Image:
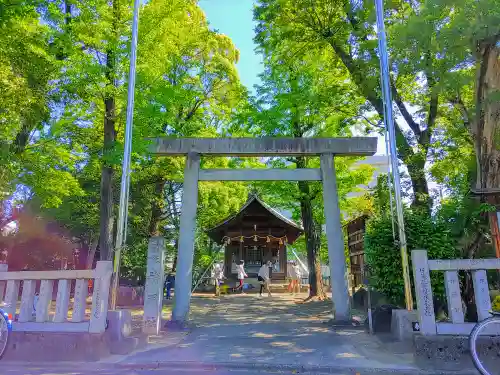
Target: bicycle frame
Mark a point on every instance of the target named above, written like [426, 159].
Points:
[8, 319]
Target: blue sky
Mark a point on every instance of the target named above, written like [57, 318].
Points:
[234, 18]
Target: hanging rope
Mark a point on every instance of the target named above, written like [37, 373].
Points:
[282, 240]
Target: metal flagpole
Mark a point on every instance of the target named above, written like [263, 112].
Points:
[125, 181]
[389, 124]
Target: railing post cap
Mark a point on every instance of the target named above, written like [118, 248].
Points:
[104, 265]
[421, 252]
[157, 239]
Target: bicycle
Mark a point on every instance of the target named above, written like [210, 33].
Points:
[5, 329]
[493, 319]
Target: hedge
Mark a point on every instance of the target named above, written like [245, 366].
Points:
[384, 258]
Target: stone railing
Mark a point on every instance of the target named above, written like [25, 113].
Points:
[421, 274]
[34, 314]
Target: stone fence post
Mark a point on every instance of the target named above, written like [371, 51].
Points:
[102, 284]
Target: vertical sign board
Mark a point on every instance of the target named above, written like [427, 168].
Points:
[153, 294]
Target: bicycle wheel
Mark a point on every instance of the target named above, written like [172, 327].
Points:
[5, 327]
[478, 328]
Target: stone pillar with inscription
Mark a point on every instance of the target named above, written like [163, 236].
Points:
[153, 293]
[102, 283]
[423, 291]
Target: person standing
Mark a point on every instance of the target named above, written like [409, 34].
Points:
[264, 278]
[297, 277]
[169, 284]
[240, 269]
[219, 277]
[293, 276]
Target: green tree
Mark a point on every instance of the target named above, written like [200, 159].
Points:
[347, 33]
[30, 153]
[305, 98]
[186, 80]
[463, 37]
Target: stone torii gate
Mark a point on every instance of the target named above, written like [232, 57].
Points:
[325, 148]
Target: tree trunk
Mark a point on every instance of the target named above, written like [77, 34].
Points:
[486, 131]
[106, 214]
[91, 255]
[486, 128]
[106, 207]
[416, 170]
[156, 209]
[312, 236]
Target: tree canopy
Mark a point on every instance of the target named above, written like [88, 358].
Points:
[63, 87]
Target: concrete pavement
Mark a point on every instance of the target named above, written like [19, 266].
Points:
[277, 333]
[243, 333]
[159, 371]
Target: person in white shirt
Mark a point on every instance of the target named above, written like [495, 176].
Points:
[297, 277]
[292, 276]
[264, 279]
[219, 277]
[240, 269]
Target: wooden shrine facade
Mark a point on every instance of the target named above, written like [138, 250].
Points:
[256, 234]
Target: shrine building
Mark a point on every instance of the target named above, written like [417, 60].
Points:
[256, 234]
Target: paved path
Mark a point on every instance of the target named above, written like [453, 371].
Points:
[160, 371]
[278, 331]
[245, 335]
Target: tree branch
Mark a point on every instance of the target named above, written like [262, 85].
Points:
[460, 106]
[404, 148]
[193, 110]
[425, 136]
[415, 128]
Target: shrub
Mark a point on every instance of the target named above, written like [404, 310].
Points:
[384, 258]
[496, 304]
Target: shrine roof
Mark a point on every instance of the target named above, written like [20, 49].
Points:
[252, 205]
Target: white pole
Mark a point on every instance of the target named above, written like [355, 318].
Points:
[389, 182]
[389, 124]
[125, 181]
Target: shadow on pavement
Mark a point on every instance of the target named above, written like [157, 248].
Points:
[277, 331]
